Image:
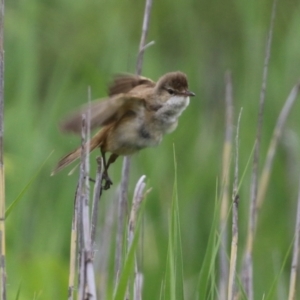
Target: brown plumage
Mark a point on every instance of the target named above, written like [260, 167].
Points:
[136, 115]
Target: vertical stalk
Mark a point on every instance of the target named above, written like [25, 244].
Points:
[235, 227]
[227, 152]
[2, 182]
[247, 263]
[123, 199]
[295, 259]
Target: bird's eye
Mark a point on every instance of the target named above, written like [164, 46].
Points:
[171, 91]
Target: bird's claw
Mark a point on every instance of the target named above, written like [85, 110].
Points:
[108, 181]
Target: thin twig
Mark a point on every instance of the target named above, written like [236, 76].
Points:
[123, 200]
[227, 152]
[147, 46]
[235, 198]
[145, 29]
[247, 269]
[2, 172]
[294, 267]
[264, 181]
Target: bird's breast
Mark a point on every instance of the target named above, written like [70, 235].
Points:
[167, 116]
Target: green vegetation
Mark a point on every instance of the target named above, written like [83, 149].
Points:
[54, 50]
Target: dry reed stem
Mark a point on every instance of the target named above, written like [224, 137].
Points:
[136, 202]
[137, 288]
[265, 177]
[73, 247]
[294, 267]
[236, 162]
[123, 199]
[2, 171]
[247, 275]
[122, 211]
[81, 241]
[81, 256]
[235, 198]
[234, 249]
[227, 152]
[96, 197]
[87, 286]
[103, 255]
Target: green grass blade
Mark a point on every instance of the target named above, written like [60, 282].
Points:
[210, 255]
[246, 168]
[128, 268]
[170, 277]
[19, 197]
[177, 236]
[271, 292]
[18, 291]
[173, 288]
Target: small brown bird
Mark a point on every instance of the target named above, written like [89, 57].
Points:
[136, 115]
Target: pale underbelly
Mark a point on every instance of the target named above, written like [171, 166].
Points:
[130, 138]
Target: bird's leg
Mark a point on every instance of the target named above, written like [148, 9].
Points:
[105, 176]
[111, 159]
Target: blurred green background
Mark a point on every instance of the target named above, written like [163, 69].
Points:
[55, 49]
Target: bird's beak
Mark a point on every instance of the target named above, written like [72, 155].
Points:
[189, 93]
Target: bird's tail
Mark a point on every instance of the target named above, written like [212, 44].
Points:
[95, 142]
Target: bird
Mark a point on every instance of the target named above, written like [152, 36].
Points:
[137, 113]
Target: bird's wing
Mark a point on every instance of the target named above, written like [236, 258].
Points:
[124, 83]
[102, 112]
